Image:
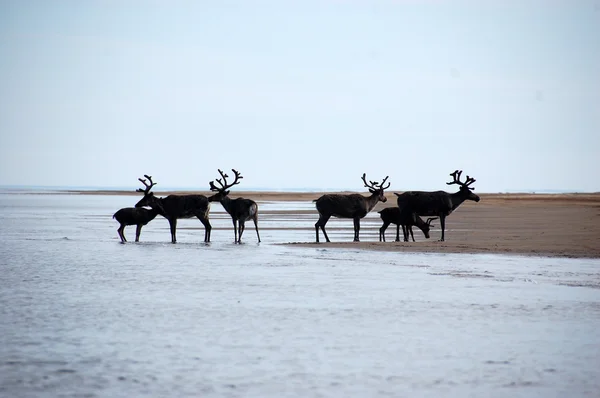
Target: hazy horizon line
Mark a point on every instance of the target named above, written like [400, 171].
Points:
[256, 189]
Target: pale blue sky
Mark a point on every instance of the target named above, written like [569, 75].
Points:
[301, 93]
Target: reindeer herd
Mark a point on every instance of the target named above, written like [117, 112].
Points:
[411, 205]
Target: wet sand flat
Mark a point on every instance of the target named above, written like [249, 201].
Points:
[561, 226]
[565, 225]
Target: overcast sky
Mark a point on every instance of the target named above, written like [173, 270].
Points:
[301, 94]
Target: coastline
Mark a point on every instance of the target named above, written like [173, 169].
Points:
[555, 225]
[592, 197]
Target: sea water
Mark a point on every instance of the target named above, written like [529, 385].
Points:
[83, 315]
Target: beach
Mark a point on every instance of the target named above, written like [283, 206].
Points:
[562, 225]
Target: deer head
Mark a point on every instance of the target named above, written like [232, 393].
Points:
[149, 199]
[223, 190]
[465, 189]
[427, 226]
[376, 188]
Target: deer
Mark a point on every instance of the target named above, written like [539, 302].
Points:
[438, 203]
[174, 207]
[240, 209]
[353, 206]
[133, 216]
[393, 215]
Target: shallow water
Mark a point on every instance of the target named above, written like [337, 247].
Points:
[83, 315]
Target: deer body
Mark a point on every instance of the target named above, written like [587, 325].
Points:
[133, 216]
[353, 206]
[437, 203]
[346, 206]
[184, 206]
[240, 209]
[174, 207]
[393, 215]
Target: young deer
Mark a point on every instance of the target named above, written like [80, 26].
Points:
[240, 209]
[133, 216]
[174, 207]
[353, 206]
[438, 203]
[393, 215]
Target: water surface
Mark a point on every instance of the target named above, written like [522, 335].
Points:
[83, 315]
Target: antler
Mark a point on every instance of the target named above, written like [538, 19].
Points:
[469, 181]
[148, 187]
[429, 220]
[456, 176]
[224, 185]
[374, 185]
[383, 182]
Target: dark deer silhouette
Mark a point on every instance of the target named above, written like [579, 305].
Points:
[393, 215]
[174, 207]
[133, 216]
[407, 229]
[438, 203]
[240, 209]
[353, 206]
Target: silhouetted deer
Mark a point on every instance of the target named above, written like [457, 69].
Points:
[407, 229]
[133, 216]
[353, 206]
[240, 209]
[438, 203]
[393, 215]
[174, 207]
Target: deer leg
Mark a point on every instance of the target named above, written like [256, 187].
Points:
[255, 218]
[397, 232]
[207, 228]
[411, 232]
[382, 232]
[321, 224]
[173, 225]
[138, 231]
[356, 229]
[121, 232]
[235, 233]
[241, 230]
[405, 232]
[443, 224]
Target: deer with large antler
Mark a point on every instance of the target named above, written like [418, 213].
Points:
[353, 206]
[438, 203]
[240, 209]
[174, 207]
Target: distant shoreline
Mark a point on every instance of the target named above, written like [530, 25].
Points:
[284, 196]
[297, 195]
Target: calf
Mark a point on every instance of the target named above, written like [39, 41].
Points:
[393, 215]
[133, 216]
